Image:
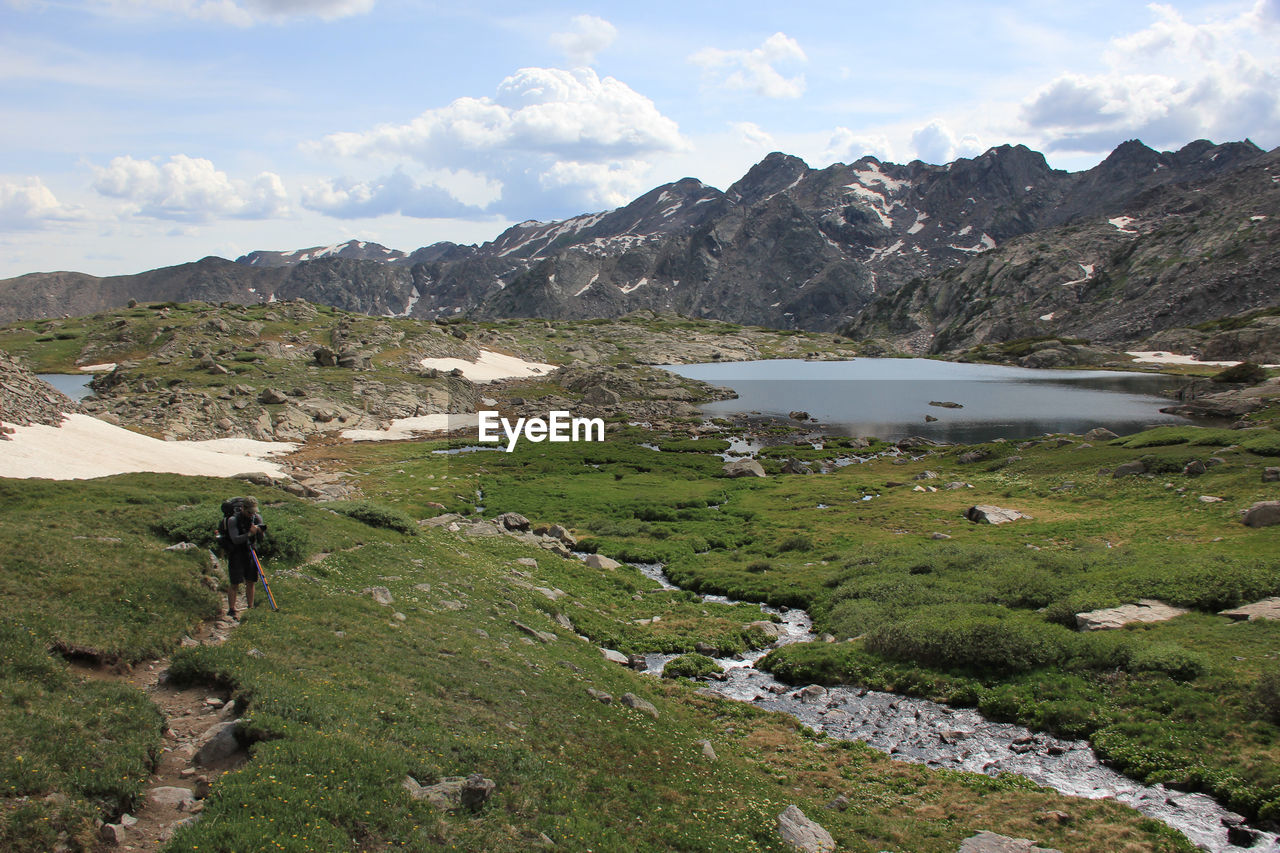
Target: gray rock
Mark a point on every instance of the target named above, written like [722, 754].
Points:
[982, 514]
[614, 656]
[1146, 610]
[743, 468]
[990, 842]
[1267, 608]
[170, 796]
[453, 793]
[219, 741]
[802, 833]
[512, 521]
[598, 561]
[1099, 434]
[380, 594]
[1194, 468]
[272, 396]
[972, 456]
[600, 696]
[634, 702]
[795, 466]
[1262, 514]
[766, 627]
[708, 751]
[540, 636]
[112, 833]
[1129, 469]
[945, 404]
[1271, 475]
[562, 534]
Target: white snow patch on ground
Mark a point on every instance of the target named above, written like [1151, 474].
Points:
[98, 368]
[874, 175]
[881, 253]
[877, 201]
[641, 283]
[587, 286]
[986, 245]
[1157, 357]
[85, 447]
[1257, 219]
[1122, 224]
[490, 367]
[1048, 316]
[1087, 269]
[403, 429]
[965, 231]
[918, 226]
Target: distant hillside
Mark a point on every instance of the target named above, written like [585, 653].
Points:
[870, 247]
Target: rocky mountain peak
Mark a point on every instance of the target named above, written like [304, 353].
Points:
[769, 177]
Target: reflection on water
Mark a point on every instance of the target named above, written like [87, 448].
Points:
[890, 398]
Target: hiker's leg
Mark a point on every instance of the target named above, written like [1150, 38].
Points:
[231, 598]
[249, 587]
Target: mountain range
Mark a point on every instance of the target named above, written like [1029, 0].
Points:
[934, 258]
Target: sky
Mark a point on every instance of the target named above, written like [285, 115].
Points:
[142, 133]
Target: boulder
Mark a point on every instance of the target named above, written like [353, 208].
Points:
[219, 742]
[636, 703]
[926, 475]
[600, 696]
[990, 842]
[709, 751]
[795, 466]
[743, 468]
[972, 456]
[1194, 468]
[272, 397]
[802, 833]
[945, 404]
[1099, 434]
[171, 796]
[453, 792]
[513, 521]
[1262, 514]
[540, 636]
[614, 656]
[1130, 469]
[1271, 475]
[555, 531]
[1146, 610]
[598, 561]
[380, 594]
[769, 629]
[1267, 608]
[982, 514]
[326, 357]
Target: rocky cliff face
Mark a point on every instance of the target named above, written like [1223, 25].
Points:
[788, 246]
[25, 399]
[1175, 255]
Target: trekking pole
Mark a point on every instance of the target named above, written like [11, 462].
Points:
[262, 576]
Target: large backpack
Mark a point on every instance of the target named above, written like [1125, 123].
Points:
[229, 508]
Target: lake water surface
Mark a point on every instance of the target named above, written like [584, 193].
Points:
[890, 397]
[75, 386]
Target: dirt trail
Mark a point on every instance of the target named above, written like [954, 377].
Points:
[176, 789]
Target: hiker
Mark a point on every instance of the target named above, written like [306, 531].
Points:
[242, 527]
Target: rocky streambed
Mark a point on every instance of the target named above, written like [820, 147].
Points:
[925, 732]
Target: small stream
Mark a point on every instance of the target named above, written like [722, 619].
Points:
[925, 732]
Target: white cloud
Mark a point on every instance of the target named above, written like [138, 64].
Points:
[1169, 83]
[189, 189]
[589, 36]
[544, 127]
[845, 146]
[240, 13]
[397, 193]
[27, 204]
[752, 134]
[753, 70]
[937, 143]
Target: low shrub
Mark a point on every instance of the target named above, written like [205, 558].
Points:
[285, 539]
[1267, 694]
[1266, 444]
[978, 638]
[797, 542]
[1245, 372]
[692, 665]
[375, 515]
[1169, 658]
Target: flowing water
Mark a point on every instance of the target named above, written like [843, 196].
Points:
[925, 732]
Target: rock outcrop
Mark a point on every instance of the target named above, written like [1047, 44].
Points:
[25, 399]
[1146, 610]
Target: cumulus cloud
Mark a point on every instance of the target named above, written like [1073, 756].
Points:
[1171, 82]
[754, 70]
[845, 146]
[544, 127]
[589, 36]
[752, 134]
[189, 189]
[346, 198]
[937, 143]
[27, 204]
[241, 13]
